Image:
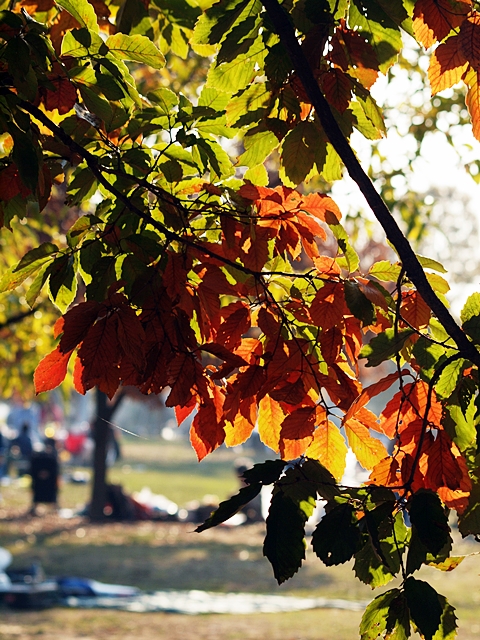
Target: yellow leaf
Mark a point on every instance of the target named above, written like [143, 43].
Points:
[329, 448]
[368, 450]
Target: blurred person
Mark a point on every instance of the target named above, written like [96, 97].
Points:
[20, 450]
[45, 472]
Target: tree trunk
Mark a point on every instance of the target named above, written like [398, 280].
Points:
[101, 436]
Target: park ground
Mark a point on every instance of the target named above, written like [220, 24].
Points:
[169, 555]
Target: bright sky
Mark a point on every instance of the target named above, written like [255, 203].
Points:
[439, 167]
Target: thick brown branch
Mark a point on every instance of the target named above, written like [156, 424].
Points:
[412, 266]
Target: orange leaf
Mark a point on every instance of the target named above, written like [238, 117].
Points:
[51, 370]
[415, 310]
[447, 65]
[328, 307]
[373, 390]
[322, 207]
[329, 448]
[368, 450]
[270, 418]
[327, 266]
[181, 413]
[473, 101]
[238, 431]
[434, 19]
[386, 473]
[205, 433]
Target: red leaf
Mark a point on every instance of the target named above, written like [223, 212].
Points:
[63, 97]
[181, 378]
[76, 324]
[337, 87]
[51, 370]
[299, 424]
[224, 354]
[331, 344]
[78, 377]
[10, 183]
[469, 40]
[236, 323]
[100, 355]
[131, 336]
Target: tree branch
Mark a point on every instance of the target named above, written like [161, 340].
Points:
[412, 266]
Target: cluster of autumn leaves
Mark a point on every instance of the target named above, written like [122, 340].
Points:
[240, 357]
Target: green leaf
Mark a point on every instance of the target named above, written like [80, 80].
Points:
[448, 621]
[333, 168]
[424, 605]
[297, 153]
[369, 568]
[238, 74]
[137, 48]
[461, 426]
[470, 317]
[469, 521]
[63, 282]
[284, 544]
[337, 535]
[265, 473]
[349, 260]
[375, 619]
[164, 99]
[378, 28]
[25, 157]
[429, 263]
[37, 284]
[430, 520]
[384, 346]
[82, 11]
[385, 271]
[257, 147]
[79, 43]
[80, 228]
[358, 303]
[253, 100]
[229, 507]
[31, 262]
[437, 283]
[428, 355]
[449, 378]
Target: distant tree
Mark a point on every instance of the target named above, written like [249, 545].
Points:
[190, 271]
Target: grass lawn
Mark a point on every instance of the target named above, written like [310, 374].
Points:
[156, 556]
